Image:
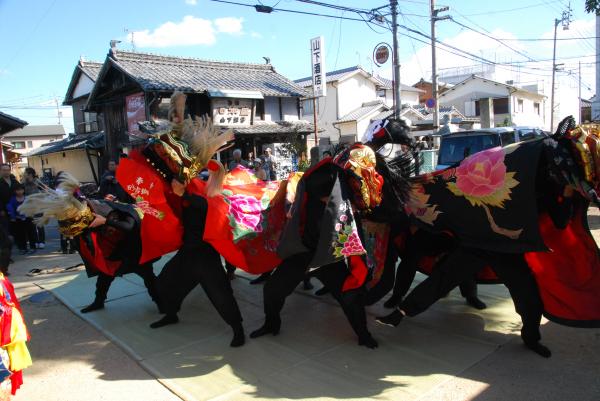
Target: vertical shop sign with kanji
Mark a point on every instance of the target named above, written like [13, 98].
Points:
[317, 53]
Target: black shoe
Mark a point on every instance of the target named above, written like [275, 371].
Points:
[267, 328]
[368, 341]
[260, 279]
[239, 338]
[307, 285]
[476, 303]
[393, 319]
[322, 291]
[96, 305]
[391, 303]
[165, 321]
[538, 348]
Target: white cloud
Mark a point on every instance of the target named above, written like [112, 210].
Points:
[256, 35]
[188, 32]
[229, 25]
[191, 2]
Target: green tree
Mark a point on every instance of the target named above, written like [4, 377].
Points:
[592, 6]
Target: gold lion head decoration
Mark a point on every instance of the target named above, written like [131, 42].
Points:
[186, 149]
[73, 215]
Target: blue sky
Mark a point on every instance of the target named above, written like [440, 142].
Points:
[43, 39]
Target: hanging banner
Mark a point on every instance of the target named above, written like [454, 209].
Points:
[317, 53]
[135, 107]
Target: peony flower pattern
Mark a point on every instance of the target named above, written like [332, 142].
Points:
[483, 180]
[348, 241]
[245, 215]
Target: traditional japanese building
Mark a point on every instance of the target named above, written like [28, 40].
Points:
[261, 106]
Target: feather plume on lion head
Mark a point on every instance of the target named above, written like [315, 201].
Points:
[73, 214]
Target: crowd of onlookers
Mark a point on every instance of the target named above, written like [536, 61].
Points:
[26, 236]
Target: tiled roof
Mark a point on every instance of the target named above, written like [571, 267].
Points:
[388, 84]
[331, 76]
[37, 130]
[363, 111]
[9, 123]
[278, 127]
[73, 142]
[89, 68]
[166, 73]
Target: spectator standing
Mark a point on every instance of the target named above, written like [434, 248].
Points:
[237, 160]
[110, 186]
[22, 226]
[7, 187]
[251, 160]
[32, 186]
[259, 171]
[269, 164]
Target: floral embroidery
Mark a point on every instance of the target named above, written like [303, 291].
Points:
[245, 215]
[348, 242]
[482, 179]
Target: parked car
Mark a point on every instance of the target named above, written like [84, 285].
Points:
[456, 146]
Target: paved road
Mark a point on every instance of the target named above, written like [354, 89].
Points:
[73, 361]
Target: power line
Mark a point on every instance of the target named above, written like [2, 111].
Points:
[510, 9]
[491, 37]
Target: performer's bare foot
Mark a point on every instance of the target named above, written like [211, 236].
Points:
[393, 319]
[166, 320]
[96, 305]
[539, 349]
[267, 328]
[476, 303]
[239, 338]
[368, 341]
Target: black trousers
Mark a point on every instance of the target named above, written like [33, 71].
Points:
[464, 263]
[190, 267]
[104, 281]
[292, 271]
[24, 233]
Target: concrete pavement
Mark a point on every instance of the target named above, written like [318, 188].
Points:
[449, 353]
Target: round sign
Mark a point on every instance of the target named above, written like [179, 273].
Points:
[430, 103]
[381, 54]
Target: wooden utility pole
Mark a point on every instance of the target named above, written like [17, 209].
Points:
[396, 59]
[434, 82]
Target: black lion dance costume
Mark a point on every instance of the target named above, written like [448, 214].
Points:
[519, 215]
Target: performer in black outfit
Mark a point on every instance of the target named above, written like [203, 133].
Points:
[197, 262]
[292, 272]
[511, 269]
[119, 226]
[419, 244]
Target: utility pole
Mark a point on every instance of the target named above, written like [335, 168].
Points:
[564, 20]
[434, 82]
[58, 112]
[396, 59]
[579, 95]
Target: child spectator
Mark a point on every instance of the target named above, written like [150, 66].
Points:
[22, 227]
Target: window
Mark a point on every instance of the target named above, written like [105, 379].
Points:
[91, 121]
[507, 138]
[501, 106]
[380, 92]
[520, 105]
[307, 107]
[260, 109]
[30, 144]
[19, 145]
[536, 108]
